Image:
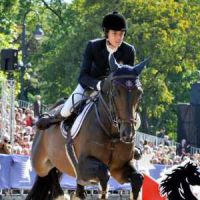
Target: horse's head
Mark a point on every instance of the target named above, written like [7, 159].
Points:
[123, 89]
[192, 173]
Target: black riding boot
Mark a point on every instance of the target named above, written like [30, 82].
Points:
[46, 120]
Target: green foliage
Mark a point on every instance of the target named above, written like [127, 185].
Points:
[167, 31]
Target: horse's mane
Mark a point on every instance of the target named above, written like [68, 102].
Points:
[177, 177]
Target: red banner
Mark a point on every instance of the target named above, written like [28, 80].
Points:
[150, 190]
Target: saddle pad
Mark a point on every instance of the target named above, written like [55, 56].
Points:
[78, 122]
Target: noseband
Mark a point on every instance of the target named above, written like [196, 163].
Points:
[126, 81]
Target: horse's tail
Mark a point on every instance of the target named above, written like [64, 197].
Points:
[46, 188]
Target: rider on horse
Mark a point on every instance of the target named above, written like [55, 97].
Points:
[95, 66]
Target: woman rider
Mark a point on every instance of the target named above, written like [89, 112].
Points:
[95, 65]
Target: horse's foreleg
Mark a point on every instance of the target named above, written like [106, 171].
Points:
[93, 170]
[103, 176]
[135, 178]
[80, 192]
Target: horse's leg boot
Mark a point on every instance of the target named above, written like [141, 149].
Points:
[45, 121]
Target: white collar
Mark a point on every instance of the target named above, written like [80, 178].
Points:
[110, 50]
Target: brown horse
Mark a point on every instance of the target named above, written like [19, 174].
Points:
[104, 145]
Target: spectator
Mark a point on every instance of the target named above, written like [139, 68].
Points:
[188, 147]
[182, 147]
[161, 133]
[37, 107]
[5, 147]
[17, 149]
[166, 140]
[18, 117]
[28, 118]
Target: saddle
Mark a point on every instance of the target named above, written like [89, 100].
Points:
[68, 122]
[54, 116]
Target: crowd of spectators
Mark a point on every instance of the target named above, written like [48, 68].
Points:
[25, 118]
[166, 154]
[23, 133]
[24, 130]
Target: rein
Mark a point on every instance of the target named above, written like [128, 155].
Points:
[110, 106]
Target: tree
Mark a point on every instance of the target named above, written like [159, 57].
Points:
[167, 31]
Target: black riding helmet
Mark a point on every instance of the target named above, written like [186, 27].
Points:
[114, 21]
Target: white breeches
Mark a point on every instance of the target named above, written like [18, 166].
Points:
[74, 98]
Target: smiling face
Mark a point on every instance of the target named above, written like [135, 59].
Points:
[115, 38]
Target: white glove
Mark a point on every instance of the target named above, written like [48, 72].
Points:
[99, 86]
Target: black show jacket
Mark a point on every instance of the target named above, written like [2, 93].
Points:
[95, 65]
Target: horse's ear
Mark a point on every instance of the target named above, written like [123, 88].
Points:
[113, 63]
[137, 69]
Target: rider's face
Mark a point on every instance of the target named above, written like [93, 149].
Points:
[115, 38]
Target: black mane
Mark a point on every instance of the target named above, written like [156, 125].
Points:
[176, 184]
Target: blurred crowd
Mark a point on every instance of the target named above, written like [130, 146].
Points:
[164, 153]
[23, 129]
[23, 134]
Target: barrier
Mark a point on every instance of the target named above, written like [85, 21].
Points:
[157, 140]
[16, 173]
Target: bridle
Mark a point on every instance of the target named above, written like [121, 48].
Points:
[110, 105]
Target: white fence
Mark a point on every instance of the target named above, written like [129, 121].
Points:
[157, 140]
[25, 104]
